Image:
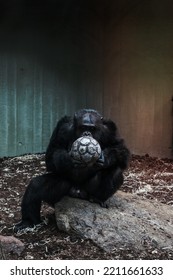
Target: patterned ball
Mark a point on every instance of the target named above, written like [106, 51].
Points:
[86, 149]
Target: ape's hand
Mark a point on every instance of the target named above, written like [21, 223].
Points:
[77, 163]
[101, 161]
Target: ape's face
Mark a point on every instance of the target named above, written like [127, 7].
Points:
[88, 122]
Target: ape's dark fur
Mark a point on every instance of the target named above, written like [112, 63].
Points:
[66, 177]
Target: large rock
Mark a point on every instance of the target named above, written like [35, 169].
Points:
[128, 222]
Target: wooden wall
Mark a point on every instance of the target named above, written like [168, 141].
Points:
[138, 86]
[50, 65]
[59, 56]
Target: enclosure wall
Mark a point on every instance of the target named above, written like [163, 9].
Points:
[138, 84]
[50, 65]
[59, 56]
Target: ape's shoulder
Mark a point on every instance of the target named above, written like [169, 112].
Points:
[64, 121]
[62, 132]
[64, 124]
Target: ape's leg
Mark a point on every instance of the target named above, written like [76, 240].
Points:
[48, 188]
[104, 184]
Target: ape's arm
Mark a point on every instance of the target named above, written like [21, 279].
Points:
[58, 160]
[116, 155]
[57, 154]
[115, 152]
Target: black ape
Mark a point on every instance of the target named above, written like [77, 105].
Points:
[66, 177]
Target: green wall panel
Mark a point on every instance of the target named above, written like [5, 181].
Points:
[50, 65]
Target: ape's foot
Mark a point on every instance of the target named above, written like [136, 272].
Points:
[25, 224]
[104, 204]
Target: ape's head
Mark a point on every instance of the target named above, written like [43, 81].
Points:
[88, 122]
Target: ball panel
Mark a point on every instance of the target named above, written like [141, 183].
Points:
[91, 150]
[82, 149]
[84, 140]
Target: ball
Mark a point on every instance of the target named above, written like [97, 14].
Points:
[86, 149]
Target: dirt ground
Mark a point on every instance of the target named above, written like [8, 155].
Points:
[148, 177]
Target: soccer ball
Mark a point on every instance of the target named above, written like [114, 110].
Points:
[86, 150]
